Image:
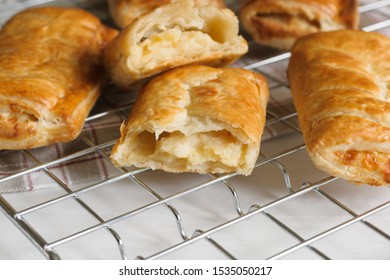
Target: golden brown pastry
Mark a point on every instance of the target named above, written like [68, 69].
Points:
[196, 119]
[173, 35]
[50, 75]
[123, 12]
[278, 23]
[340, 85]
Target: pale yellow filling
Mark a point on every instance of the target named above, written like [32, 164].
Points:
[216, 147]
[170, 45]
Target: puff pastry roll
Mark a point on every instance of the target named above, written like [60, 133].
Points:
[340, 84]
[50, 75]
[196, 119]
[278, 23]
[123, 12]
[173, 35]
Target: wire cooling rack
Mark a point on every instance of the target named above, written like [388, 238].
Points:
[285, 210]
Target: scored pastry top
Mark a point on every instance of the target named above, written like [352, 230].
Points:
[278, 23]
[50, 74]
[340, 85]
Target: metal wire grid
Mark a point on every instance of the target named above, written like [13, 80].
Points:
[20, 218]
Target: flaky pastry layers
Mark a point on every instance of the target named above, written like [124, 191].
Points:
[123, 12]
[278, 23]
[340, 85]
[50, 75]
[173, 35]
[196, 119]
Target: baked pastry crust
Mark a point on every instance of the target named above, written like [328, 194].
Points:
[278, 23]
[50, 75]
[123, 12]
[173, 35]
[340, 85]
[196, 119]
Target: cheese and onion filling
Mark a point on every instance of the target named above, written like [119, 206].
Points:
[164, 43]
[212, 148]
[170, 45]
